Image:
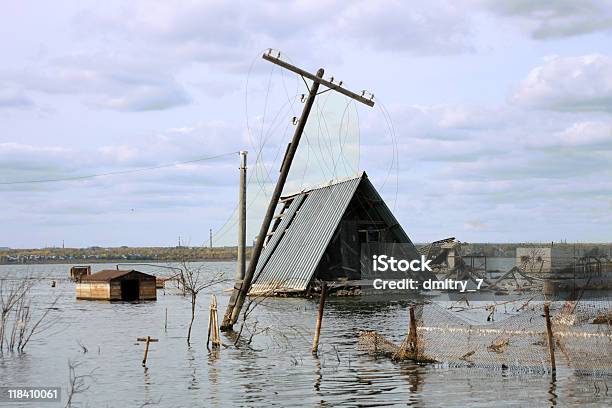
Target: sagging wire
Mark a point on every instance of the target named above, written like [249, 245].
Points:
[260, 173]
[114, 173]
[395, 155]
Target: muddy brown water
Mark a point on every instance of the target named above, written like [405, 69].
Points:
[276, 370]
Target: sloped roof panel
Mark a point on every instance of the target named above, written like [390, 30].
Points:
[290, 264]
[109, 274]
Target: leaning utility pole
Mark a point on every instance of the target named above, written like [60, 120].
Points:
[241, 288]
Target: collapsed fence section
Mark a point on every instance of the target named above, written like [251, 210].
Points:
[580, 339]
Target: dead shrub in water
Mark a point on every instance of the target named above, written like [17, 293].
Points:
[194, 279]
[19, 318]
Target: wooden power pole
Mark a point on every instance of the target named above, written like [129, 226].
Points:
[241, 257]
[241, 288]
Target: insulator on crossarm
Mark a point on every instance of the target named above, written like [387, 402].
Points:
[294, 120]
[367, 95]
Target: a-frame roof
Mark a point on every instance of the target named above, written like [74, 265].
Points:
[290, 258]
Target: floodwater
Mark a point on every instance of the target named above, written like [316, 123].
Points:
[277, 369]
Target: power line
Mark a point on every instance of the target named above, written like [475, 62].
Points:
[113, 173]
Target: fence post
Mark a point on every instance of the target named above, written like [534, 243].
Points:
[213, 324]
[549, 335]
[146, 340]
[315, 341]
[144, 359]
[412, 333]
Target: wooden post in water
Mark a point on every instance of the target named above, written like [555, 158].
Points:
[214, 336]
[412, 333]
[315, 341]
[147, 340]
[146, 353]
[549, 335]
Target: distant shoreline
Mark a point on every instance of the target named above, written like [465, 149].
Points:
[113, 261]
[124, 254]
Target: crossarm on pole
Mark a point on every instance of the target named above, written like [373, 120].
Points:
[314, 78]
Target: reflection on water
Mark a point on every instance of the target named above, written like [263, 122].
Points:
[278, 369]
[552, 390]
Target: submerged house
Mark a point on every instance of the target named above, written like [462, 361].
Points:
[113, 284]
[318, 236]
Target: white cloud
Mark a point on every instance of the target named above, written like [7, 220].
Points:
[145, 97]
[581, 83]
[218, 32]
[122, 83]
[547, 19]
[22, 162]
[430, 28]
[12, 99]
[476, 224]
[590, 134]
[586, 133]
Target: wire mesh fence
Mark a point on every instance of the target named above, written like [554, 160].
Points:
[581, 337]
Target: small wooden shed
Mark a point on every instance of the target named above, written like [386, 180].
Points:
[117, 285]
[78, 271]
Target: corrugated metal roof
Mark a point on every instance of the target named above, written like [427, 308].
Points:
[109, 274]
[294, 250]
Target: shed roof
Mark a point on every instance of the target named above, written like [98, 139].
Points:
[109, 274]
[294, 250]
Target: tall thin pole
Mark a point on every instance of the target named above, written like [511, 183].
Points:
[241, 268]
[210, 234]
[241, 288]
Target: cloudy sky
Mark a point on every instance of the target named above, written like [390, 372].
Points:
[493, 120]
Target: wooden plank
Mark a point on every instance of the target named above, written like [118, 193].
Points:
[93, 290]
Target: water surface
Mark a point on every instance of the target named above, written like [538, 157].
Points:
[277, 369]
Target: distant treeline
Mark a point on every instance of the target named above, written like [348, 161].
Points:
[99, 254]
[165, 254]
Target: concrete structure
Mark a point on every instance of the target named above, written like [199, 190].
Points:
[545, 259]
[113, 284]
[568, 267]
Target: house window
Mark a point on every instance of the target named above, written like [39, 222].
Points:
[373, 236]
[363, 236]
[366, 236]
